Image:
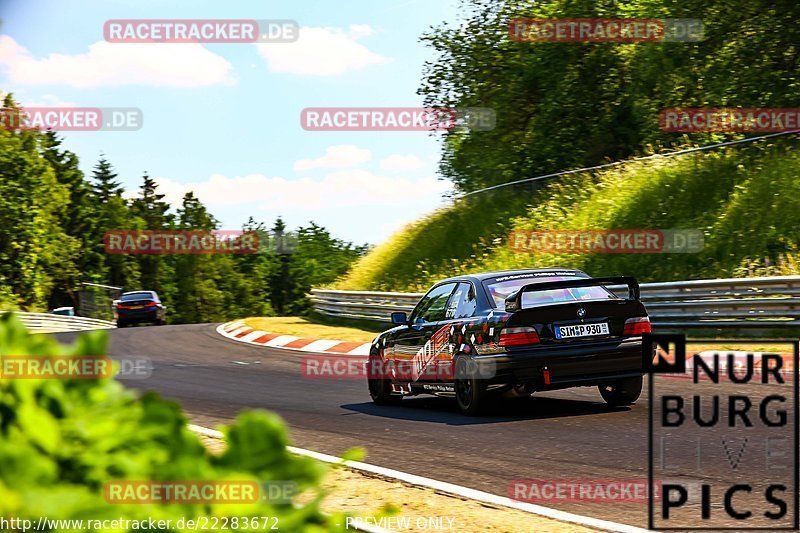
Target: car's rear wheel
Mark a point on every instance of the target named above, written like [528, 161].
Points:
[622, 392]
[470, 391]
[380, 390]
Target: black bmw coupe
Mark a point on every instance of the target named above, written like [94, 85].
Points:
[514, 332]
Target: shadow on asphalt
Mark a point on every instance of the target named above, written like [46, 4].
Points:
[445, 411]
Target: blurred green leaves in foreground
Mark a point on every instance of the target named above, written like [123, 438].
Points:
[62, 440]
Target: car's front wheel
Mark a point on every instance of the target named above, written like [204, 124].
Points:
[380, 389]
[622, 392]
[470, 390]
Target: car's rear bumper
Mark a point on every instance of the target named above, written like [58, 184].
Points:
[559, 366]
[141, 316]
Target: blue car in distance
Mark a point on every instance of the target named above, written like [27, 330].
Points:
[140, 306]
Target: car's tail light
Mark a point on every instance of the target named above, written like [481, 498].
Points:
[151, 304]
[518, 336]
[637, 326]
[120, 306]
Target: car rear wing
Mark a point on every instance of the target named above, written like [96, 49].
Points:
[514, 301]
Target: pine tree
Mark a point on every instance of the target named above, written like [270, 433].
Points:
[112, 214]
[105, 184]
[198, 297]
[153, 211]
[150, 205]
[281, 284]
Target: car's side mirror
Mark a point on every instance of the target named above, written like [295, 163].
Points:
[399, 318]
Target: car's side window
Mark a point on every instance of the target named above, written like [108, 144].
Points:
[462, 303]
[431, 307]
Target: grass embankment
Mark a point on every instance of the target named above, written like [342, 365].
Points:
[745, 199]
[301, 327]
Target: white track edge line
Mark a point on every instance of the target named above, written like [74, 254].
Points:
[456, 490]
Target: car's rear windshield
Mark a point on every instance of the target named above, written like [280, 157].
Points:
[500, 290]
[136, 296]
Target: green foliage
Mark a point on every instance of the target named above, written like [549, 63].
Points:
[569, 105]
[55, 221]
[317, 259]
[62, 440]
[34, 248]
[745, 200]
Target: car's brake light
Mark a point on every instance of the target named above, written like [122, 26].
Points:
[637, 326]
[518, 336]
[120, 306]
[151, 304]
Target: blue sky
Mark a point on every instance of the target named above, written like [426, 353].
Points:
[224, 119]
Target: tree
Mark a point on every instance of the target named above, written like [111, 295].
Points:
[282, 286]
[105, 184]
[112, 214]
[55, 219]
[568, 105]
[307, 258]
[34, 248]
[154, 212]
[79, 219]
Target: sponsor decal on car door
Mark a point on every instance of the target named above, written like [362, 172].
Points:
[430, 351]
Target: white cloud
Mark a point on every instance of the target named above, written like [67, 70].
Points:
[397, 162]
[357, 31]
[109, 64]
[354, 204]
[48, 100]
[322, 52]
[339, 156]
[343, 188]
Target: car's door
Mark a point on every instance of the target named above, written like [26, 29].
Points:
[408, 351]
[462, 306]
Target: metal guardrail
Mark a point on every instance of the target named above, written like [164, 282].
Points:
[50, 323]
[742, 303]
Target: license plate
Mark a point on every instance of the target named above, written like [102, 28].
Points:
[137, 307]
[581, 330]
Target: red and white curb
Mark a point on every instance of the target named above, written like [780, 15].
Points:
[451, 489]
[237, 330]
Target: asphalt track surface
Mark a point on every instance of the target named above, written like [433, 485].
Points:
[564, 435]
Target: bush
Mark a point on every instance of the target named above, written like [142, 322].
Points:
[62, 440]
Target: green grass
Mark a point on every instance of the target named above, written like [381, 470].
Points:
[746, 200]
